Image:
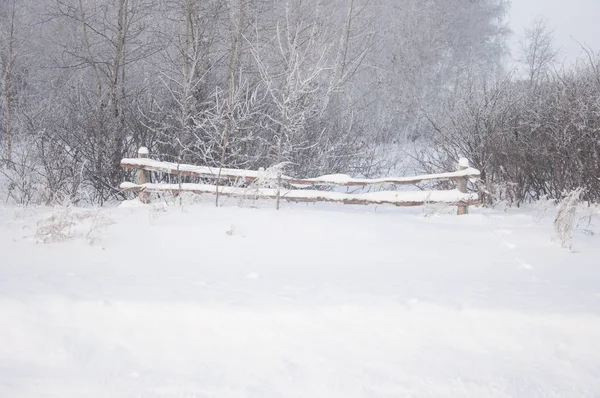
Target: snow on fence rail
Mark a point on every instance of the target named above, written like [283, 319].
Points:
[286, 185]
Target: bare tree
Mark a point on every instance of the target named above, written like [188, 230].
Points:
[323, 85]
[538, 52]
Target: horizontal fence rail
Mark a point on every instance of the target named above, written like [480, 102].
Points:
[413, 198]
[186, 170]
[287, 186]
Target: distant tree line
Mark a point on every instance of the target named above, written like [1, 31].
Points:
[325, 86]
[534, 135]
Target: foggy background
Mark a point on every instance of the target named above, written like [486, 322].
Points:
[572, 20]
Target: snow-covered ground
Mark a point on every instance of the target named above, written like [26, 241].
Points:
[311, 301]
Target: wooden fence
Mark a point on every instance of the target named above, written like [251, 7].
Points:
[290, 189]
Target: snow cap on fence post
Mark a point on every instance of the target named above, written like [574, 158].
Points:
[463, 164]
[143, 176]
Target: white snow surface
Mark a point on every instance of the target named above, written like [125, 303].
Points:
[309, 301]
[463, 162]
[334, 179]
[205, 170]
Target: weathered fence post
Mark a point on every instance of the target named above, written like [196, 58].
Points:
[463, 164]
[143, 176]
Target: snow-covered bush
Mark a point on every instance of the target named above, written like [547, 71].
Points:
[588, 218]
[56, 228]
[566, 216]
[541, 207]
[266, 179]
[63, 225]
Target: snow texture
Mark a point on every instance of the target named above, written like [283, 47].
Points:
[345, 179]
[204, 170]
[310, 301]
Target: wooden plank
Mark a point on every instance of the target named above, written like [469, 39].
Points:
[417, 198]
[251, 175]
[186, 170]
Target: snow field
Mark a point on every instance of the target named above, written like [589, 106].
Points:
[323, 301]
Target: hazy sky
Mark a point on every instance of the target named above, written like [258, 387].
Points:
[577, 18]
